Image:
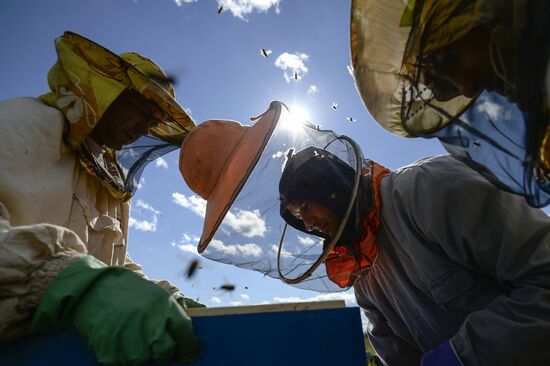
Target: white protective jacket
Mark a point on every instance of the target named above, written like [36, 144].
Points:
[52, 212]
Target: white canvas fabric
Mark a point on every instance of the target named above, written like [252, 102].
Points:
[52, 212]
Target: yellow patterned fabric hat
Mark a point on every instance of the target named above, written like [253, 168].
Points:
[87, 78]
[388, 38]
[379, 41]
[85, 81]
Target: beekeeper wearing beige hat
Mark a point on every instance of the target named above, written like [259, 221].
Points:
[457, 277]
[449, 269]
[236, 169]
[70, 162]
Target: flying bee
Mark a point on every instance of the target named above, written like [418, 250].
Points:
[163, 79]
[351, 119]
[227, 287]
[265, 52]
[220, 9]
[193, 266]
[334, 105]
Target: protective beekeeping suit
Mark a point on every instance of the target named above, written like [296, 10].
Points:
[70, 162]
[449, 269]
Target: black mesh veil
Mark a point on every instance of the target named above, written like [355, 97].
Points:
[121, 169]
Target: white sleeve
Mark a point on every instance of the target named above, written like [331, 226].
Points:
[30, 258]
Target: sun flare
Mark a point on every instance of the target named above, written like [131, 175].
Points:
[299, 112]
[296, 119]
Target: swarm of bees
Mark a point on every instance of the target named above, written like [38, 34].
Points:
[192, 270]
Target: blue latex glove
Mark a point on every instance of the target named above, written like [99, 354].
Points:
[442, 355]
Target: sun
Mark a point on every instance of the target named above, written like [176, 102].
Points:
[294, 119]
[299, 112]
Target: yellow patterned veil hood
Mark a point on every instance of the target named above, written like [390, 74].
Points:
[85, 81]
[387, 40]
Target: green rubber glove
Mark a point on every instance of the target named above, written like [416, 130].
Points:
[124, 318]
[188, 303]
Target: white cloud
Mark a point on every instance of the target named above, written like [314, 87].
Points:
[252, 250]
[265, 53]
[281, 154]
[215, 300]
[219, 246]
[187, 243]
[347, 296]
[194, 203]
[247, 223]
[494, 110]
[161, 163]
[146, 206]
[306, 240]
[241, 8]
[312, 90]
[143, 225]
[181, 2]
[236, 303]
[284, 253]
[141, 183]
[292, 65]
[190, 248]
[245, 296]
[188, 238]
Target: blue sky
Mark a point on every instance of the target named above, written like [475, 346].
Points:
[221, 74]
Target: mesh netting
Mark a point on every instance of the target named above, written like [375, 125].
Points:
[491, 135]
[121, 169]
[251, 230]
[135, 157]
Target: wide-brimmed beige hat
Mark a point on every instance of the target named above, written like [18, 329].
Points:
[378, 41]
[216, 159]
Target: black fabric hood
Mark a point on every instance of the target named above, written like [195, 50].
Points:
[317, 175]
